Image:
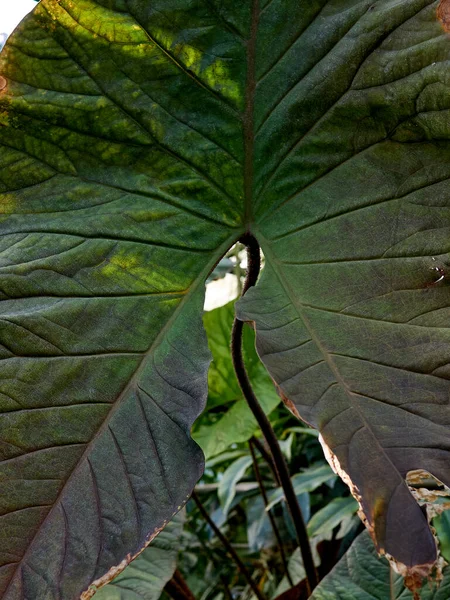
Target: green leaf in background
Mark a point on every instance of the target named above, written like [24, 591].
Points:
[331, 515]
[146, 577]
[259, 529]
[362, 575]
[237, 424]
[232, 475]
[224, 457]
[306, 481]
[138, 141]
[442, 526]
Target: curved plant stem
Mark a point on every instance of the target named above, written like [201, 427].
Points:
[254, 265]
[229, 548]
[269, 513]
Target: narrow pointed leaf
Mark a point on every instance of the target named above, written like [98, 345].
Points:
[331, 515]
[232, 475]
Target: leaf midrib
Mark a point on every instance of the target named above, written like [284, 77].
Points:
[248, 118]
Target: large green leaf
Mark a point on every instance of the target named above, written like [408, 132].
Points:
[118, 196]
[138, 140]
[353, 218]
[362, 575]
[237, 424]
[146, 577]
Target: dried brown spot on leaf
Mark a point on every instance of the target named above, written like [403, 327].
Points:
[290, 405]
[443, 14]
[334, 463]
[3, 83]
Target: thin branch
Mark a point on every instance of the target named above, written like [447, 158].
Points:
[267, 457]
[254, 264]
[209, 552]
[234, 555]
[269, 514]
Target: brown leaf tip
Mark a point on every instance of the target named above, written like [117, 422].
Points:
[2, 83]
[443, 14]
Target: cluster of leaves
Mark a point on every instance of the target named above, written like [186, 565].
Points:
[230, 490]
[139, 140]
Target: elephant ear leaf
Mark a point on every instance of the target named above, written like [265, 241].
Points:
[118, 195]
[353, 212]
[138, 141]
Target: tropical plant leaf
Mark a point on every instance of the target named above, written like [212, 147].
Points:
[237, 424]
[111, 221]
[233, 474]
[331, 515]
[352, 308]
[259, 529]
[138, 141]
[296, 568]
[362, 575]
[146, 577]
[306, 481]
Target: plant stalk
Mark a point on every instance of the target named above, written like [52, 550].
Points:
[267, 457]
[269, 514]
[254, 265]
[234, 555]
[178, 589]
[209, 553]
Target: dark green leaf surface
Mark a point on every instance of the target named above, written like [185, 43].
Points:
[237, 424]
[362, 575]
[120, 189]
[138, 141]
[353, 217]
[146, 577]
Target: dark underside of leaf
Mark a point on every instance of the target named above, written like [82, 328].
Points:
[138, 141]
